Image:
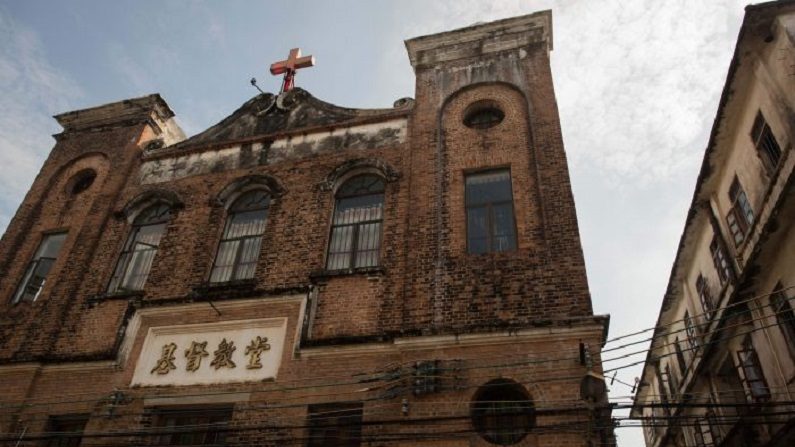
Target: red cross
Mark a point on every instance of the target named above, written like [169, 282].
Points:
[288, 67]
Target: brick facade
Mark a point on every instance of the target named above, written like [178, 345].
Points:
[351, 335]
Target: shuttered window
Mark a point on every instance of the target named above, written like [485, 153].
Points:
[766, 144]
[719, 260]
[782, 307]
[705, 295]
[741, 215]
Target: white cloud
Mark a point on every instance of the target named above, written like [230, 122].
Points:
[32, 91]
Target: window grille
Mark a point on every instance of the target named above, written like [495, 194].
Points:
[766, 144]
[69, 428]
[335, 425]
[36, 274]
[193, 426]
[239, 249]
[140, 249]
[356, 226]
[489, 209]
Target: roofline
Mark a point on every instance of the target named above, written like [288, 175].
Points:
[703, 173]
[705, 170]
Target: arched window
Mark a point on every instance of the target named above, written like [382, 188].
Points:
[356, 226]
[502, 412]
[239, 249]
[140, 249]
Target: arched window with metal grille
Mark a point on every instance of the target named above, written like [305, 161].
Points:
[140, 249]
[238, 251]
[355, 239]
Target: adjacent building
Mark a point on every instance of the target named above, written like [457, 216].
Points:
[308, 274]
[721, 368]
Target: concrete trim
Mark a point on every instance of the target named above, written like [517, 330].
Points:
[135, 321]
[175, 400]
[444, 341]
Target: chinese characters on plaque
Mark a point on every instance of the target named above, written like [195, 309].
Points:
[222, 357]
[231, 351]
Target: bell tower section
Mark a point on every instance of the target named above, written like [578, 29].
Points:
[494, 226]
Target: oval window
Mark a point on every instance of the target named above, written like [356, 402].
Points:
[483, 115]
[82, 181]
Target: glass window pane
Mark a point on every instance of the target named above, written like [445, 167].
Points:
[356, 225]
[150, 235]
[39, 267]
[160, 213]
[224, 261]
[488, 187]
[51, 245]
[360, 185]
[140, 249]
[247, 223]
[138, 268]
[238, 251]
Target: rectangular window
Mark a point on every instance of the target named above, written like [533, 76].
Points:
[335, 425]
[673, 383]
[193, 426]
[705, 295]
[753, 379]
[36, 273]
[703, 433]
[69, 428]
[680, 358]
[785, 317]
[741, 215]
[690, 329]
[489, 210]
[650, 425]
[719, 260]
[765, 142]
[356, 226]
[664, 398]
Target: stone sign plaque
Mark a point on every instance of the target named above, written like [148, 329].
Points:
[193, 354]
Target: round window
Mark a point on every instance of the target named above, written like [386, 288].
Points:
[502, 412]
[82, 181]
[483, 115]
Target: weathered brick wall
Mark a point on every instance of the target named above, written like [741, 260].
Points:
[28, 330]
[275, 412]
[545, 278]
[427, 281]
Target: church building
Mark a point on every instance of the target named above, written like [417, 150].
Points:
[305, 274]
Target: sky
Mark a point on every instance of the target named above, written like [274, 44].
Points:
[637, 85]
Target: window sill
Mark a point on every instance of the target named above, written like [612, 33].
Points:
[359, 271]
[224, 288]
[119, 295]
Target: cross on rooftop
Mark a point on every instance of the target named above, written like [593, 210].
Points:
[289, 66]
